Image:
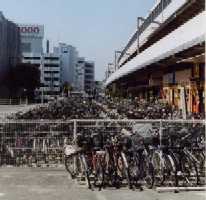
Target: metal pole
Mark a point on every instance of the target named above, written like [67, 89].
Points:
[75, 130]
[42, 96]
[160, 135]
[115, 60]
[138, 35]
[74, 139]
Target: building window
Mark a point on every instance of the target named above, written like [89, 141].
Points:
[51, 58]
[32, 58]
[51, 65]
[51, 79]
[26, 47]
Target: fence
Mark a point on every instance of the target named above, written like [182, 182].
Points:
[39, 143]
[13, 101]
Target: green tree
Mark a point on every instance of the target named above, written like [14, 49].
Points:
[66, 88]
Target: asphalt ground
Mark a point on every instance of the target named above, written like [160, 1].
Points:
[55, 184]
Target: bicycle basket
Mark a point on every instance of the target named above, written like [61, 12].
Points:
[69, 150]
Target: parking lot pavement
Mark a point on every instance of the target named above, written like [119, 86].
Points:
[54, 184]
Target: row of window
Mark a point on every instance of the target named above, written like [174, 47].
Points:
[51, 79]
[32, 58]
[51, 72]
[38, 58]
[51, 58]
[89, 71]
[51, 65]
[54, 86]
[89, 76]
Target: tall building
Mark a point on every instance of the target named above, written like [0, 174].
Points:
[31, 38]
[80, 75]
[68, 56]
[84, 75]
[49, 66]
[51, 74]
[89, 77]
[10, 53]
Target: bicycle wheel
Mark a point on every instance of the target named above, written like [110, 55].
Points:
[159, 168]
[99, 174]
[170, 171]
[70, 166]
[123, 169]
[86, 170]
[133, 171]
[190, 175]
[201, 165]
[149, 173]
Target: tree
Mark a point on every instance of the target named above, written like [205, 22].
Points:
[66, 88]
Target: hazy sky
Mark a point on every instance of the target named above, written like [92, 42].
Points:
[96, 27]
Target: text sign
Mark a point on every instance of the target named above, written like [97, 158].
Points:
[29, 29]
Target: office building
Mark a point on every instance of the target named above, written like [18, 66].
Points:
[31, 38]
[68, 56]
[85, 75]
[10, 53]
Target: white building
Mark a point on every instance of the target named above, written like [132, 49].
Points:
[49, 65]
[68, 56]
[84, 75]
[31, 38]
[89, 77]
[80, 73]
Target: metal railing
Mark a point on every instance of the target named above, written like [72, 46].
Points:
[39, 143]
[13, 101]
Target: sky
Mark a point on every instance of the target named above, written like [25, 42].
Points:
[95, 27]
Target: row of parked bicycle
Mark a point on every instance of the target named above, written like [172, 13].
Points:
[103, 158]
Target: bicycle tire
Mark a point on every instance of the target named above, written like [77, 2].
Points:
[69, 166]
[193, 170]
[149, 176]
[159, 168]
[86, 171]
[125, 169]
[99, 174]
